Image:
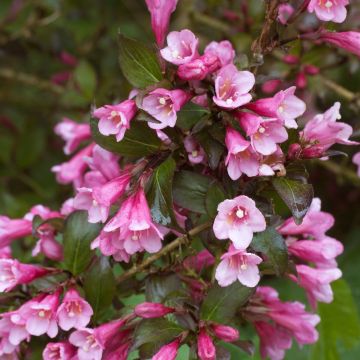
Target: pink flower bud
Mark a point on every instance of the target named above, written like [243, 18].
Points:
[11, 230]
[168, 352]
[226, 333]
[285, 12]
[311, 69]
[223, 50]
[206, 347]
[347, 40]
[291, 59]
[301, 80]
[148, 310]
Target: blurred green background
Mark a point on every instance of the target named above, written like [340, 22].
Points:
[59, 58]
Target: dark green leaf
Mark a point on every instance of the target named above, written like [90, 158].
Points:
[190, 190]
[158, 287]
[99, 286]
[160, 193]
[213, 149]
[272, 245]
[296, 195]
[78, 235]
[189, 115]
[85, 78]
[214, 196]
[138, 141]
[138, 63]
[221, 303]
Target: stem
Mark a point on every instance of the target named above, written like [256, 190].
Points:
[345, 93]
[211, 22]
[299, 11]
[165, 250]
[340, 171]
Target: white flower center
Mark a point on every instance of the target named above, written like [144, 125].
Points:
[229, 101]
[162, 101]
[194, 153]
[240, 213]
[243, 267]
[95, 203]
[135, 238]
[261, 130]
[281, 109]
[175, 54]
[41, 313]
[328, 4]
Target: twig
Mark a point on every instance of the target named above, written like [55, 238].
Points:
[340, 171]
[211, 22]
[299, 11]
[345, 93]
[165, 250]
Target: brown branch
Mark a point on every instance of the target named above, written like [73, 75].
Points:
[165, 250]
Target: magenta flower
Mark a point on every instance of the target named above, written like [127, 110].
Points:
[225, 333]
[149, 310]
[205, 345]
[163, 105]
[11, 230]
[13, 273]
[223, 50]
[285, 12]
[241, 157]
[237, 220]
[316, 282]
[74, 311]
[136, 227]
[347, 40]
[59, 351]
[196, 153]
[160, 11]
[168, 351]
[115, 119]
[72, 133]
[232, 87]
[5, 252]
[238, 265]
[329, 10]
[284, 105]
[356, 161]
[182, 47]
[265, 134]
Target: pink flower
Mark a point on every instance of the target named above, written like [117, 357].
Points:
[72, 133]
[315, 223]
[232, 87]
[115, 119]
[270, 86]
[238, 265]
[195, 152]
[199, 261]
[5, 252]
[205, 345]
[67, 207]
[168, 351]
[285, 12]
[11, 230]
[182, 47]
[74, 312]
[347, 40]
[12, 331]
[237, 220]
[264, 133]
[274, 340]
[160, 11]
[163, 105]
[284, 105]
[356, 161]
[225, 333]
[149, 310]
[223, 50]
[316, 282]
[329, 10]
[272, 164]
[13, 273]
[58, 351]
[241, 157]
[136, 227]
[40, 315]
[97, 201]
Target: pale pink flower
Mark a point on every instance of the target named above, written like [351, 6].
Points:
[284, 105]
[160, 11]
[347, 40]
[74, 311]
[168, 351]
[196, 153]
[356, 161]
[136, 227]
[223, 50]
[272, 164]
[329, 10]
[67, 207]
[265, 134]
[115, 119]
[13, 273]
[5, 252]
[72, 133]
[238, 265]
[225, 333]
[11, 230]
[323, 131]
[12, 330]
[59, 351]
[163, 105]
[316, 282]
[241, 158]
[205, 346]
[237, 220]
[232, 87]
[182, 47]
[47, 244]
[285, 12]
[150, 310]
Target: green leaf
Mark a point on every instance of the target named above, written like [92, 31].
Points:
[272, 245]
[296, 195]
[138, 141]
[190, 190]
[85, 78]
[214, 196]
[158, 287]
[221, 303]
[151, 334]
[99, 286]
[78, 235]
[160, 193]
[339, 325]
[138, 63]
[189, 115]
[213, 149]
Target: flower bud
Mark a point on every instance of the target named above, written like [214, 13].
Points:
[148, 310]
[226, 333]
[168, 352]
[206, 347]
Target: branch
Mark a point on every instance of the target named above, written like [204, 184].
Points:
[340, 90]
[340, 171]
[165, 250]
